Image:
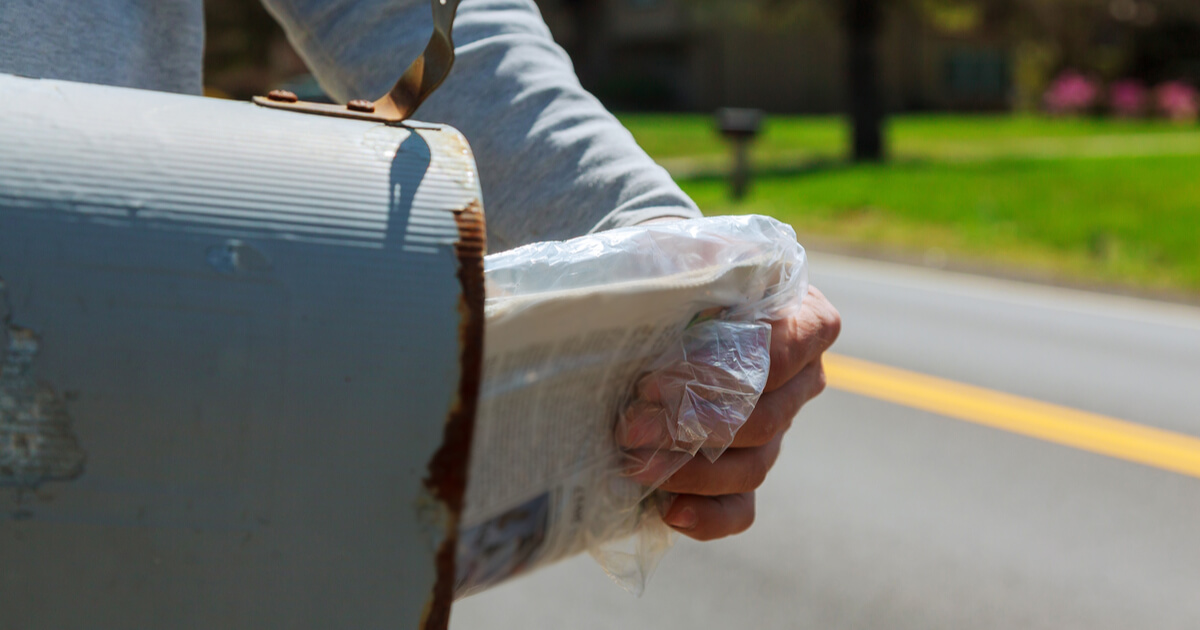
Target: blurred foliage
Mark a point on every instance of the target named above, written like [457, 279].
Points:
[1107, 38]
[952, 16]
[1033, 63]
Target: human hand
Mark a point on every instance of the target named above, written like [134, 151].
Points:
[716, 499]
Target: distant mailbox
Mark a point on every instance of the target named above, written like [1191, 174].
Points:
[739, 123]
[238, 362]
[740, 126]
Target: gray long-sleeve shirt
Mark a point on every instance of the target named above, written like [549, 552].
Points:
[553, 162]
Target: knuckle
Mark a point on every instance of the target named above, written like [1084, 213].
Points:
[774, 415]
[820, 382]
[752, 433]
[793, 338]
[764, 425]
[831, 323]
[767, 431]
[755, 471]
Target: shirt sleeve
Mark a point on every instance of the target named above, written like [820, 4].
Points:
[553, 162]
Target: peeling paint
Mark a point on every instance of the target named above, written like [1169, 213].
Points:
[235, 256]
[36, 442]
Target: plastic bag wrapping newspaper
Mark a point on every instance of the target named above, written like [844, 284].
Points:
[652, 337]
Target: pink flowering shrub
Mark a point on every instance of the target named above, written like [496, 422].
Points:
[1128, 98]
[1071, 93]
[1178, 101]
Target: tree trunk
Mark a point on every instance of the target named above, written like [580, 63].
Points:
[589, 51]
[864, 24]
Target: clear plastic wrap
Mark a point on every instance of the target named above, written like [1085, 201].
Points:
[610, 361]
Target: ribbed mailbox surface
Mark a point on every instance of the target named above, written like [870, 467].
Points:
[240, 352]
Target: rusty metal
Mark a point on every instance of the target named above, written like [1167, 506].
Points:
[447, 478]
[282, 96]
[361, 105]
[422, 77]
[325, 109]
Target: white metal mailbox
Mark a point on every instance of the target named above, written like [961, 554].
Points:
[240, 353]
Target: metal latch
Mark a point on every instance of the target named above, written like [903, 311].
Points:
[421, 78]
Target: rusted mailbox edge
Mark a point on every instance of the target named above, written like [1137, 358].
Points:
[447, 480]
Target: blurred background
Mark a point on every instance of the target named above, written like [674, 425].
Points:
[1052, 139]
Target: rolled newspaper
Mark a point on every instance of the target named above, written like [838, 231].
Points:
[572, 328]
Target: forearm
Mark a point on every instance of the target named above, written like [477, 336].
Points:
[553, 162]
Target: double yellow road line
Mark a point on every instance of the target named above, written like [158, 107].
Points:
[1053, 423]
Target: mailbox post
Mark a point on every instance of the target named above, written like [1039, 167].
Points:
[740, 127]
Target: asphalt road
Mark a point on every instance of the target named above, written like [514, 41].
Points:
[880, 515]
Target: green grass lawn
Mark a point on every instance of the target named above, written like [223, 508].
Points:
[1112, 202]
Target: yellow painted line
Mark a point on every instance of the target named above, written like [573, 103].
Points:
[1053, 423]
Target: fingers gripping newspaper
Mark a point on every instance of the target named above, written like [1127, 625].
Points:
[666, 323]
